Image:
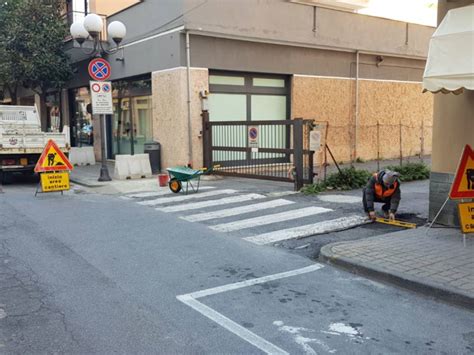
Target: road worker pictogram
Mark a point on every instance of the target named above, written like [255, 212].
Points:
[52, 159]
[463, 185]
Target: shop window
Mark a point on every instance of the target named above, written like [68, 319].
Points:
[269, 83]
[131, 125]
[226, 80]
[81, 119]
[53, 113]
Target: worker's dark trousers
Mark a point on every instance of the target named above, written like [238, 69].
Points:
[386, 202]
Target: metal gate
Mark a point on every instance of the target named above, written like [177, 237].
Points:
[272, 150]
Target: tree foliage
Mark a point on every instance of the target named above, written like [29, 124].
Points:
[9, 71]
[32, 36]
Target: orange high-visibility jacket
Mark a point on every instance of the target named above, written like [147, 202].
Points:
[376, 191]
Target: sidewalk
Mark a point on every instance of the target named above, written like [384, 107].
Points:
[87, 176]
[439, 263]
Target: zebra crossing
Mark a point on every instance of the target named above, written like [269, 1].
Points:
[254, 217]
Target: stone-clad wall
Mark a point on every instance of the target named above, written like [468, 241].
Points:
[170, 115]
[440, 185]
[390, 103]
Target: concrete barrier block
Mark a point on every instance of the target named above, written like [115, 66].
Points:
[135, 167]
[145, 164]
[74, 156]
[89, 155]
[132, 166]
[82, 156]
[122, 166]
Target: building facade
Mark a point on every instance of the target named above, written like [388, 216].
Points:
[259, 60]
[453, 125]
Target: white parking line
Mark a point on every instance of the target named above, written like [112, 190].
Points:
[257, 281]
[232, 326]
[205, 216]
[269, 219]
[308, 230]
[245, 334]
[161, 192]
[203, 204]
[179, 198]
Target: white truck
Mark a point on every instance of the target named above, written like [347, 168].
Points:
[22, 141]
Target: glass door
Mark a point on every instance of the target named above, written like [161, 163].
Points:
[121, 127]
[142, 122]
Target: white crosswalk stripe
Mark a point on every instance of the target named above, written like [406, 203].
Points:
[193, 207]
[269, 219]
[308, 230]
[210, 203]
[191, 196]
[161, 192]
[228, 212]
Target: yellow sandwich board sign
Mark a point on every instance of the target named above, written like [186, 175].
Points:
[55, 181]
[54, 168]
[466, 217]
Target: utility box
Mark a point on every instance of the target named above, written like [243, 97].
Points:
[154, 152]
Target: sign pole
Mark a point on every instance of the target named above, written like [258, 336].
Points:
[104, 171]
[437, 215]
[101, 95]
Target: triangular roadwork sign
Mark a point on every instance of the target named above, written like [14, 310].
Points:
[52, 159]
[463, 185]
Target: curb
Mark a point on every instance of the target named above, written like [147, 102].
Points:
[86, 184]
[429, 289]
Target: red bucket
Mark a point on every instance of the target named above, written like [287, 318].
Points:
[163, 179]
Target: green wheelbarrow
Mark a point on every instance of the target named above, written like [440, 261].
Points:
[182, 174]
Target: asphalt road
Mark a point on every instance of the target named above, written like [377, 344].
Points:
[90, 273]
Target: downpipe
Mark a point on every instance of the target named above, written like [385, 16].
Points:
[188, 83]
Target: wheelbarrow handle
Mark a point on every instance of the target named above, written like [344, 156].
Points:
[209, 170]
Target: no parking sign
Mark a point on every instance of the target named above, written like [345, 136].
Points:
[99, 69]
[253, 136]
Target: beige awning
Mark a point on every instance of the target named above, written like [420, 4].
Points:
[450, 63]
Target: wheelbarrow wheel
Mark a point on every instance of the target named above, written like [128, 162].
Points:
[175, 185]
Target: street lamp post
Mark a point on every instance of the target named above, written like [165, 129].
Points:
[90, 30]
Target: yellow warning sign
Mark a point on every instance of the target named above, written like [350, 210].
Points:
[52, 159]
[466, 217]
[55, 181]
[463, 185]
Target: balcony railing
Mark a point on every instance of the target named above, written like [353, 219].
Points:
[73, 16]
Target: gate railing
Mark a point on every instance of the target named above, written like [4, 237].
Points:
[280, 151]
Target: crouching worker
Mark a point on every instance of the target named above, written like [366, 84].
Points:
[383, 187]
